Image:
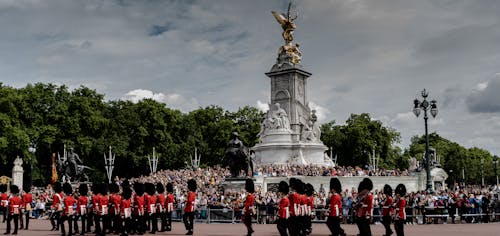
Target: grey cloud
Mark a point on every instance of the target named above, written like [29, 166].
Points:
[486, 100]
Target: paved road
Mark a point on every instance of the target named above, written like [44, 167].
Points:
[42, 227]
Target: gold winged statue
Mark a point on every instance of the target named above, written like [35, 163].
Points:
[287, 24]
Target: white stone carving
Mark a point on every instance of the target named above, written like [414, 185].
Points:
[17, 172]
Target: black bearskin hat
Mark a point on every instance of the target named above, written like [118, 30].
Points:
[366, 183]
[114, 188]
[335, 185]
[3, 188]
[83, 189]
[283, 187]
[388, 190]
[400, 189]
[95, 188]
[309, 189]
[57, 187]
[14, 189]
[126, 183]
[170, 188]
[300, 187]
[103, 190]
[249, 186]
[160, 188]
[293, 183]
[150, 188]
[127, 192]
[192, 185]
[139, 188]
[67, 189]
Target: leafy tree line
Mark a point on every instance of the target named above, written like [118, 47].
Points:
[52, 116]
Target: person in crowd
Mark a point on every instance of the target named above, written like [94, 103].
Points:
[27, 201]
[387, 209]
[249, 208]
[81, 208]
[400, 205]
[56, 208]
[14, 209]
[68, 213]
[364, 207]
[283, 210]
[188, 217]
[335, 208]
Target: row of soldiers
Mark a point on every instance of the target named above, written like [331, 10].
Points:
[135, 211]
[13, 207]
[296, 208]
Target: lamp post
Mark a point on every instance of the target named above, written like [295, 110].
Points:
[32, 150]
[495, 161]
[482, 172]
[425, 105]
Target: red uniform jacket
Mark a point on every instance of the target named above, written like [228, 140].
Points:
[169, 203]
[103, 205]
[82, 205]
[335, 205]
[400, 209]
[69, 204]
[387, 209]
[294, 203]
[15, 204]
[366, 206]
[249, 203]
[284, 211]
[125, 208]
[310, 205]
[190, 202]
[139, 205]
[4, 200]
[160, 202]
[96, 202]
[56, 201]
[27, 199]
[151, 204]
[115, 200]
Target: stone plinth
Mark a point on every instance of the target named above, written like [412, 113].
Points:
[234, 184]
[291, 153]
[17, 173]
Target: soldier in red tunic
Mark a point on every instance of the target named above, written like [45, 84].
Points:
[15, 204]
[301, 213]
[4, 201]
[309, 216]
[364, 207]
[387, 210]
[335, 208]
[249, 207]
[27, 201]
[283, 210]
[81, 207]
[400, 205]
[160, 206]
[95, 207]
[126, 210]
[188, 217]
[169, 206]
[138, 214]
[151, 207]
[56, 207]
[294, 207]
[114, 207]
[68, 213]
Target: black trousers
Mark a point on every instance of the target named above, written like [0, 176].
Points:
[169, 221]
[70, 219]
[126, 226]
[386, 221]
[153, 219]
[248, 223]
[333, 223]
[188, 219]
[11, 217]
[293, 228]
[83, 218]
[27, 219]
[163, 220]
[364, 226]
[3, 210]
[90, 222]
[55, 218]
[282, 225]
[399, 227]
[139, 224]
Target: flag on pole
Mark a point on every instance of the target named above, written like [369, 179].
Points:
[54, 169]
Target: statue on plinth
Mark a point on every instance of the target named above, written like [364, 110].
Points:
[72, 168]
[288, 53]
[275, 119]
[236, 157]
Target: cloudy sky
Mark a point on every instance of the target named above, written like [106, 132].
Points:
[370, 56]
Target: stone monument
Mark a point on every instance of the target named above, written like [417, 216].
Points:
[17, 172]
[290, 133]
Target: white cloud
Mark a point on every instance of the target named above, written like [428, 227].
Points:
[264, 107]
[175, 101]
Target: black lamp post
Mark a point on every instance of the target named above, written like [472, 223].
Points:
[425, 105]
[32, 150]
[495, 161]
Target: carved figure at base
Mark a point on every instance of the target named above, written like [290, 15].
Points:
[236, 156]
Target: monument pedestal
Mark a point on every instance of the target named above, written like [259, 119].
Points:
[17, 173]
[234, 184]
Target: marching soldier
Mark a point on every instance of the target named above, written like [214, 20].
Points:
[4, 201]
[56, 207]
[335, 208]
[364, 207]
[387, 210]
[301, 221]
[103, 209]
[160, 206]
[283, 210]
[27, 201]
[400, 216]
[309, 208]
[249, 208]
[126, 211]
[189, 208]
[81, 204]
[293, 197]
[114, 207]
[151, 207]
[68, 213]
[169, 205]
[14, 205]
[138, 215]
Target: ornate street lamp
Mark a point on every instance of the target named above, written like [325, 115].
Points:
[495, 161]
[432, 107]
[32, 150]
